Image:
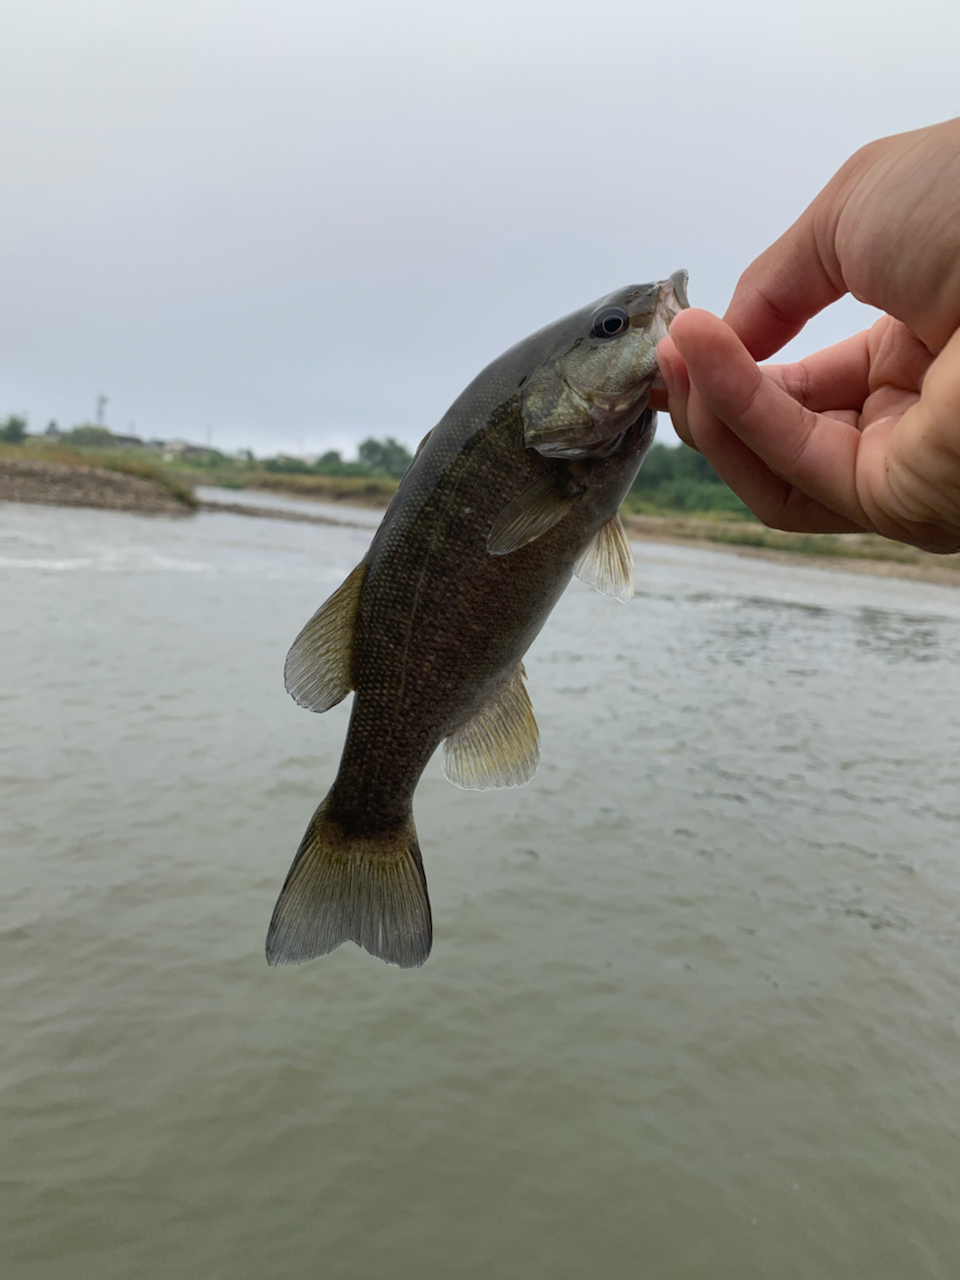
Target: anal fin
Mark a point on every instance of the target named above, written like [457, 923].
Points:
[500, 745]
[318, 670]
[607, 563]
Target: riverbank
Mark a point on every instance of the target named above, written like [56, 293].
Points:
[75, 485]
[865, 553]
[373, 492]
[850, 553]
[124, 484]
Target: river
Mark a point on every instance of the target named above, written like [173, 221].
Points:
[692, 1007]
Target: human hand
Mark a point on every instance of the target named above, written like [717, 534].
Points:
[865, 434]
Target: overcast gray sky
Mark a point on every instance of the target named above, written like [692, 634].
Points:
[296, 224]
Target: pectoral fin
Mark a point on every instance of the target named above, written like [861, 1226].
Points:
[317, 673]
[532, 512]
[607, 564]
[500, 746]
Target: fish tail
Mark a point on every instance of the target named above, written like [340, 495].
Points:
[342, 887]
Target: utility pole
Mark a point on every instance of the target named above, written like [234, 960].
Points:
[102, 402]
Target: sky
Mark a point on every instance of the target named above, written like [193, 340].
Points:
[287, 225]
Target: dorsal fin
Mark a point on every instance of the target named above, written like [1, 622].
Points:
[500, 745]
[532, 512]
[423, 442]
[607, 563]
[318, 671]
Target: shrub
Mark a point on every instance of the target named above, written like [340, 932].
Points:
[14, 430]
[386, 457]
[89, 436]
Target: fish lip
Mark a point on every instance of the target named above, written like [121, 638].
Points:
[680, 280]
[671, 300]
[673, 296]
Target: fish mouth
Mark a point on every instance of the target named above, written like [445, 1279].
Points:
[673, 294]
[672, 300]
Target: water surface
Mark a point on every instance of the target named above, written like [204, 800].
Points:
[692, 1005]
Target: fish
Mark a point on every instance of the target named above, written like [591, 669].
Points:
[515, 490]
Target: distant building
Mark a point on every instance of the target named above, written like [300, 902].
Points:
[182, 449]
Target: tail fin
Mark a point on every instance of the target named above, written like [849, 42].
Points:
[370, 890]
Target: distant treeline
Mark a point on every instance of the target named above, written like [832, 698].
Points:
[675, 478]
[374, 458]
[671, 479]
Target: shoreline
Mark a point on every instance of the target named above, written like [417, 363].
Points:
[69, 485]
[936, 574]
[63, 484]
[860, 553]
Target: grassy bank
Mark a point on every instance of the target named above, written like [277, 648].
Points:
[753, 538]
[125, 461]
[364, 491]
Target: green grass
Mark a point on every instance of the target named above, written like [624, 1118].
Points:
[368, 490]
[712, 526]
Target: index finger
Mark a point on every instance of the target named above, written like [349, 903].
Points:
[783, 288]
[837, 377]
[809, 451]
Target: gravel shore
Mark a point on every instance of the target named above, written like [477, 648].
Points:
[23, 480]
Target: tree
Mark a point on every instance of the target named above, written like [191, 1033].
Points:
[284, 463]
[388, 456]
[679, 479]
[14, 430]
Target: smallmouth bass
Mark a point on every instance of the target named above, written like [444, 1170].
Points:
[513, 491]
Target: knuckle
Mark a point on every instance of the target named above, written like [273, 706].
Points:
[796, 382]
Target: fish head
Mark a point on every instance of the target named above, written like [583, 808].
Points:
[595, 380]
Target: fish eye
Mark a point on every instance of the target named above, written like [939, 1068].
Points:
[610, 323]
